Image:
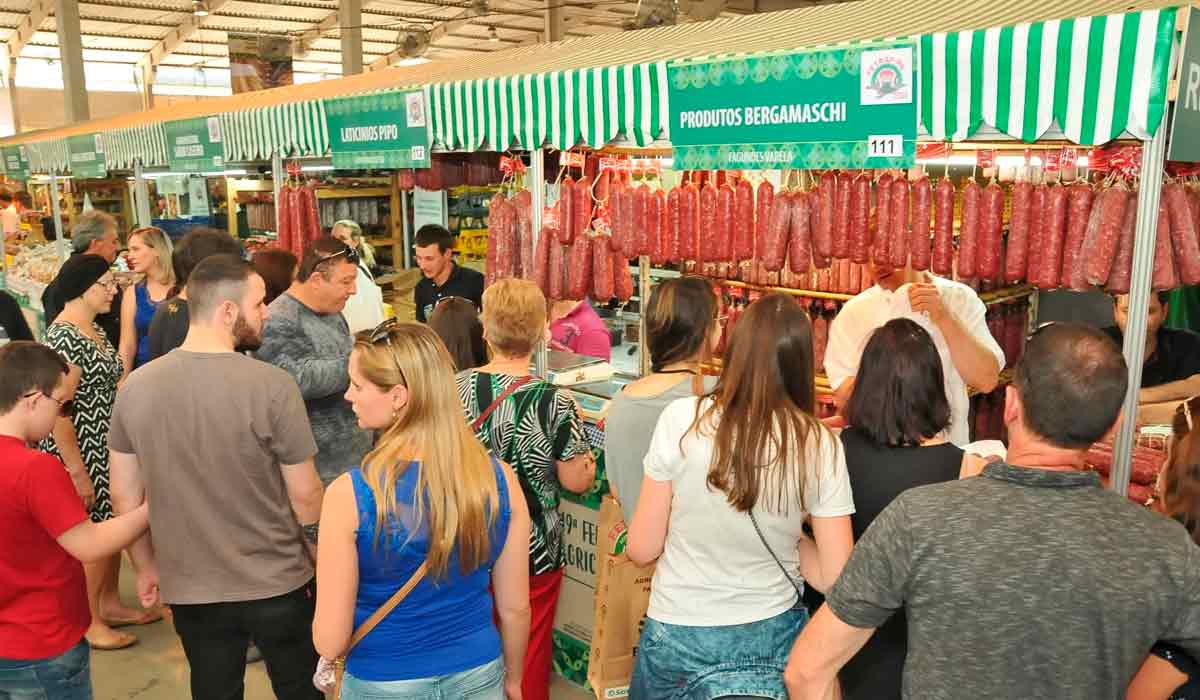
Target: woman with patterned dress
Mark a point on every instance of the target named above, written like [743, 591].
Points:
[150, 256]
[81, 440]
[535, 428]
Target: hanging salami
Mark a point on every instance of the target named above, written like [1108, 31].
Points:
[623, 281]
[942, 262]
[602, 271]
[1183, 234]
[1079, 208]
[1122, 268]
[641, 221]
[708, 223]
[764, 199]
[842, 220]
[541, 259]
[1054, 234]
[898, 238]
[558, 269]
[726, 212]
[800, 247]
[860, 218]
[582, 193]
[673, 226]
[922, 209]
[579, 268]
[775, 239]
[1015, 263]
[658, 220]
[743, 221]
[968, 235]
[883, 219]
[566, 195]
[827, 199]
[1166, 275]
[689, 217]
[1104, 233]
[991, 229]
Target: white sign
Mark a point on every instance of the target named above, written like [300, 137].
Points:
[429, 207]
[886, 76]
[890, 146]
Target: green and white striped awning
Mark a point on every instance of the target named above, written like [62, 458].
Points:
[560, 109]
[293, 129]
[1094, 77]
[49, 156]
[124, 147]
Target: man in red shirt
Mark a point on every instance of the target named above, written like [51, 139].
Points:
[47, 533]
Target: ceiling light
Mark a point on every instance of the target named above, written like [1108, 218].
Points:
[200, 8]
[493, 35]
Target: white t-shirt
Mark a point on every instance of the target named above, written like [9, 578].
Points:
[852, 328]
[714, 570]
[10, 220]
[364, 310]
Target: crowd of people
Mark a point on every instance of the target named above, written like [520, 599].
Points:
[376, 510]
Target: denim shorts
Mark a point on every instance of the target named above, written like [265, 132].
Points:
[484, 682]
[64, 677]
[677, 662]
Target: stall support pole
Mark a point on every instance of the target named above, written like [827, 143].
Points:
[60, 243]
[643, 304]
[405, 231]
[141, 196]
[277, 176]
[1139, 303]
[536, 184]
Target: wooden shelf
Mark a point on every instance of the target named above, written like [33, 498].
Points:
[999, 296]
[352, 192]
[812, 294]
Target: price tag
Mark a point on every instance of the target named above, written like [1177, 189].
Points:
[418, 153]
[985, 158]
[572, 160]
[889, 146]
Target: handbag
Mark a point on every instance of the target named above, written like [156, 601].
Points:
[339, 664]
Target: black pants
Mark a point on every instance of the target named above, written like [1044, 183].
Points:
[215, 637]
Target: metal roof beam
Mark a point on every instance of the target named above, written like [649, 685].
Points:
[176, 37]
[28, 26]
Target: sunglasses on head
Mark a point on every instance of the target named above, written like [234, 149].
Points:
[350, 254]
[383, 334]
[66, 409]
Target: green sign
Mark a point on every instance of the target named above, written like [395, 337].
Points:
[1185, 127]
[194, 145]
[389, 130]
[837, 108]
[16, 162]
[87, 156]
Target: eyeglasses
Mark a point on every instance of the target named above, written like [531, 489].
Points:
[350, 253]
[439, 302]
[383, 334]
[110, 284]
[66, 409]
[1041, 327]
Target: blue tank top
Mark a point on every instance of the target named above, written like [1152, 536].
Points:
[141, 321]
[444, 626]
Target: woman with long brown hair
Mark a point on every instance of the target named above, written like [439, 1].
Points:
[730, 479]
[427, 498]
[1170, 672]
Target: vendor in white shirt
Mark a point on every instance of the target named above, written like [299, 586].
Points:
[952, 313]
[364, 310]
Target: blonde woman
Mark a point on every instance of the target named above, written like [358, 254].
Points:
[536, 428]
[150, 252]
[428, 493]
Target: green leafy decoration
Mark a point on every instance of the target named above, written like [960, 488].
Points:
[760, 71]
[806, 67]
[716, 74]
[851, 61]
[740, 71]
[699, 76]
[829, 65]
[779, 67]
[681, 78]
[858, 155]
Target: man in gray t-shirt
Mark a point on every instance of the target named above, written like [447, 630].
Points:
[1029, 581]
[307, 336]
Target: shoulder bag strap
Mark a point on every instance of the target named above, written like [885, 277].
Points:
[512, 388]
[790, 580]
[369, 624]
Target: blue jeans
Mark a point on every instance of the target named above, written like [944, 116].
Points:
[676, 662]
[64, 677]
[484, 682]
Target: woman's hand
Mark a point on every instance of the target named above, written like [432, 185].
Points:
[83, 486]
[512, 688]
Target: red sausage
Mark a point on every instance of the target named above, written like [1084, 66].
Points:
[726, 213]
[524, 204]
[943, 229]
[640, 220]
[557, 269]
[1054, 236]
[566, 195]
[816, 215]
[991, 228]
[689, 216]
[579, 276]
[1183, 235]
[883, 218]
[968, 235]
[856, 278]
[1016, 263]
[827, 202]
[1122, 267]
[898, 242]
[842, 219]
[708, 229]
[743, 221]
[541, 259]
[623, 280]
[658, 221]
[1165, 274]
[495, 224]
[820, 332]
[602, 271]
[860, 218]
[922, 207]
[627, 209]
[583, 206]
[509, 250]
[763, 200]
[775, 240]
[1101, 251]
[673, 226]
[1037, 233]
[800, 248]
[1079, 207]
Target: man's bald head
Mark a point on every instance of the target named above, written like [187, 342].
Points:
[1071, 380]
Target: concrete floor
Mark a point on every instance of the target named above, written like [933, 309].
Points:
[155, 668]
